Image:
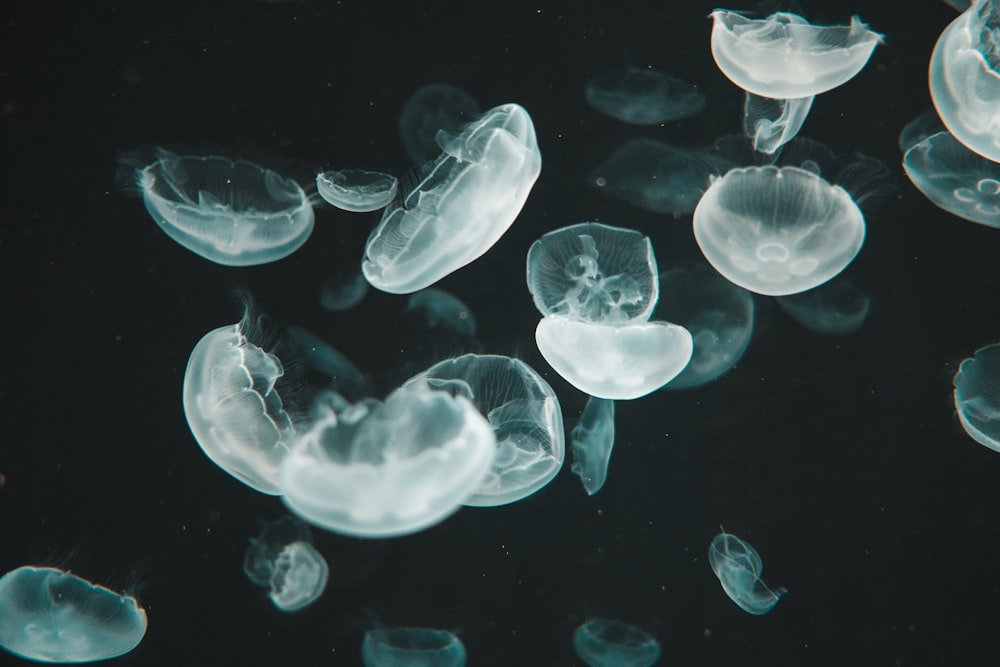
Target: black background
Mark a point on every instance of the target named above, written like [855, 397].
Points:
[839, 458]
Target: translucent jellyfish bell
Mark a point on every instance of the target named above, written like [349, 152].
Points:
[412, 647]
[47, 615]
[593, 438]
[784, 56]
[977, 396]
[643, 96]
[283, 559]
[356, 190]
[231, 212]
[384, 469]
[434, 107]
[777, 231]
[604, 642]
[738, 567]
[965, 78]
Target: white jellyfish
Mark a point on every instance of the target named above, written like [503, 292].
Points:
[602, 642]
[977, 396]
[738, 567]
[356, 190]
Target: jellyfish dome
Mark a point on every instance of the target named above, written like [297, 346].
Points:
[965, 78]
[283, 560]
[784, 56]
[777, 231]
[356, 190]
[412, 647]
[231, 212]
[604, 642]
[47, 615]
[738, 567]
[643, 96]
[374, 469]
[977, 396]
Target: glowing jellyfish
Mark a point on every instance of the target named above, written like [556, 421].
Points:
[47, 615]
[412, 647]
[593, 272]
[231, 212]
[593, 438]
[524, 413]
[777, 230]
[343, 291]
[965, 78]
[783, 56]
[233, 405]
[738, 567]
[374, 469]
[330, 367]
[836, 308]
[769, 124]
[643, 96]
[283, 560]
[457, 206]
[442, 309]
[977, 396]
[356, 190]
[432, 108]
[604, 642]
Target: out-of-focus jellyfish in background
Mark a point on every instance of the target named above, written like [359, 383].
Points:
[738, 567]
[433, 107]
[233, 403]
[47, 615]
[526, 419]
[373, 469]
[769, 124]
[656, 176]
[329, 366]
[356, 190]
[965, 78]
[412, 647]
[643, 96]
[960, 5]
[602, 642]
[443, 309]
[283, 560]
[977, 396]
[778, 231]
[592, 440]
[453, 209]
[231, 212]
[719, 315]
[343, 290]
[784, 56]
[836, 308]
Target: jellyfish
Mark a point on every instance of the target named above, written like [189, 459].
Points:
[283, 560]
[965, 78]
[836, 308]
[526, 419]
[738, 567]
[977, 396]
[412, 647]
[332, 369]
[593, 438]
[602, 642]
[433, 107]
[233, 404]
[784, 56]
[356, 190]
[453, 209]
[373, 469]
[442, 309]
[230, 212]
[643, 96]
[778, 231]
[48, 615]
[343, 290]
[769, 124]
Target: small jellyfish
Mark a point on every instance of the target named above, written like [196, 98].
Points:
[778, 231]
[231, 212]
[836, 308]
[783, 56]
[412, 647]
[977, 396]
[643, 96]
[604, 642]
[356, 190]
[47, 615]
[442, 309]
[738, 567]
[283, 560]
[593, 438]
[433, 107]
[343, 291]
[769, 124]
[330, 366]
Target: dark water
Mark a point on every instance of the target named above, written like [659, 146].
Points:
[839, 458]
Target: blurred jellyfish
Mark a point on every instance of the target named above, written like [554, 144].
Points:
[456, 207]
[434, 107]
[526, 419]
[356, 190]
[47, 615]
[283, 559]
[718, 314]
[412, 647]
[836, 308]
[977, 396]
[593, 438]
[960, 5]
[738, 567]
[374, 469]
[231, 212]
[609, 643]
[778, 231]
[441, 309]
[769, 124]
[643, 96]
[783, 56]
[233, 404]
[965, 78]
[334, 370]
[343, 291]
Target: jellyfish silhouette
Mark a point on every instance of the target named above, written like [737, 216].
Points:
[977, 396]
[412, 647]
[643, 96]
[356, 190]
[602, 642]
[738, 567]
[283, 560]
